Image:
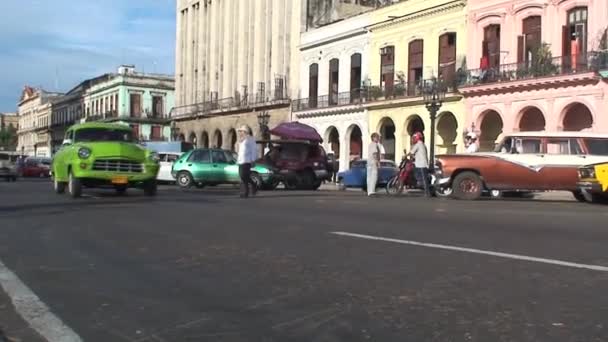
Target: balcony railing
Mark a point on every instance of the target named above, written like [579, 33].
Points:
[366, 94]
[237, 102]
[558, 66]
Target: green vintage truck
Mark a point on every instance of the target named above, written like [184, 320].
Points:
[97, 155]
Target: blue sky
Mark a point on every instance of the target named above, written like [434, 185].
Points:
[58, 43]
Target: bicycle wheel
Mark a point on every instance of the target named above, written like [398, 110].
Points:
[393, 186]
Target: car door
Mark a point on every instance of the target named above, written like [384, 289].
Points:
[523, 165]
[199, 165]
[562, 158]
[219, 163]
[231, 171]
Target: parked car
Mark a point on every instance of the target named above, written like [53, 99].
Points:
[166, 160]
[298, 164]
[202, 167]
[36, 167]
[527, 161]
[356, 176]
[168, 153]
[8, 167]
[103, 155]
[593, 182]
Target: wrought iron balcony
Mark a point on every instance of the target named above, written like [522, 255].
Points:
[535, 69]
[235, 103]
[366, 94]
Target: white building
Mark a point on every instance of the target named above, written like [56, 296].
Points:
[35, 108]
[233, 60]
[333, 66]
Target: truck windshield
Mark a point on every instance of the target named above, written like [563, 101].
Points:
[103, 134]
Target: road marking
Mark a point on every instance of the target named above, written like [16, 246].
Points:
[33, 310]
[478, 251]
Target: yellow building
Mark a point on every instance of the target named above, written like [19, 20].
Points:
[412, 41]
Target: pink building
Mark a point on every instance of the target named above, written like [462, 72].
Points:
[535, 65]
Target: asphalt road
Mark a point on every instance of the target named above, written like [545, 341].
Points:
[204, 265]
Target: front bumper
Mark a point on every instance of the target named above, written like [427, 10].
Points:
[591, 186]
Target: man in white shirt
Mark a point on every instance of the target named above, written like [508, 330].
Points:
[421, 162]
[473, 145]
[247, 155]
[375, 153]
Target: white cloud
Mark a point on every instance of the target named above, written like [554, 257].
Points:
[75, 40]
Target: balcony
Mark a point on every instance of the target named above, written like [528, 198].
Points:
[239, 102]
[534, 73]
[365, 95]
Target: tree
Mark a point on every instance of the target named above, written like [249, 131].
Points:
[8, 137]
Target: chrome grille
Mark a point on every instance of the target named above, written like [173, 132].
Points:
[117, 165]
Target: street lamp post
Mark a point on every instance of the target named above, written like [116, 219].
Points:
[433, 92]
[263, 120]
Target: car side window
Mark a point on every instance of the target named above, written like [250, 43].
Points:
[575, 147]
[219, 157]
[528, 145]
[172, 158]
[162, 157]
[558, 146]
[199, 156]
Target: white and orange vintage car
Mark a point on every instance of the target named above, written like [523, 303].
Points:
[526, 161]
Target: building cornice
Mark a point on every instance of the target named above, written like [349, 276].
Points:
[351, 109]
[427, 12]
[333, 39]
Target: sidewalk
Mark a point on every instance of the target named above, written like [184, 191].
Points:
[542, 196]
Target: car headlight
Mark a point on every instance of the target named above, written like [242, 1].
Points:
[154, 157]
[587, 172]
[84, 153]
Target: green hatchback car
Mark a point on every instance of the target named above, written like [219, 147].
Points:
[103, 155]
[205, 166]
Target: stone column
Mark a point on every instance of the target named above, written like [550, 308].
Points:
[179, 36]
[278, 41]
[243, 45]
[344, 148]
[212, 66]
[228, 20]
[251, 46]
[236, 32]
[187, 56]
[259, 74]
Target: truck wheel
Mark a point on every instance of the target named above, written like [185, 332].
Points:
[308, 180]
[58, 186]
[184, 179]
[150, 188]
[74, 186]
[467, 186]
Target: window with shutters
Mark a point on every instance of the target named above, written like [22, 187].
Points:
[157, 106]
[355, 76]
[155, 133]
[447, 57]
[135, 105]
[490, 46]
[387, 69]
[416, 63]
[530, 40]
[334, 74]
[574, 37]
[313, 85]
